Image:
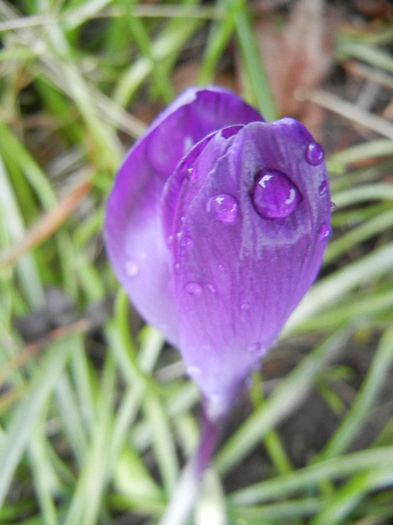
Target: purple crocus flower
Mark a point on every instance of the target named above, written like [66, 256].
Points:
[216, 227]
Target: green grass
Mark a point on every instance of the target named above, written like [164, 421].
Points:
[95, 419]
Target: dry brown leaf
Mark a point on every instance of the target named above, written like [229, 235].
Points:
[298, 57]
[187, 75]
[374, 8]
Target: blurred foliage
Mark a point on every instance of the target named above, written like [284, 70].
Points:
[96, 413]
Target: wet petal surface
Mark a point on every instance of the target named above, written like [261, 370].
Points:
[240, 278]
[133, 231]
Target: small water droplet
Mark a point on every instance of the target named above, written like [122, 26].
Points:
[224, 207]
[221, 267]
[255, 349]
[193, 371]
[245, 306]
[186, 241]
[188, 142]
[323, 188]
[274, 195]
[333, 207]
[132, 268]
[315, 154]
[193, 288]
[170, 239]
[211, 288]
[177, 267]
[192, 175]
[324, 232]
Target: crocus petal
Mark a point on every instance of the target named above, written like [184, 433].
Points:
[133, 231]
[251, 228]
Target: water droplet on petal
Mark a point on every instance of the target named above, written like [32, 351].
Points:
[224, 207]
[315, 154]
[256, 349]
[333, 207]
[192, 175]
[323, 188]
[274, 195]
[193, 288]
[193, 371]
[188, 142]
[211, 288]
[177, 267]
[186, 241]
[170, 239]
[132, 268]
[324, 232]
[245, 306]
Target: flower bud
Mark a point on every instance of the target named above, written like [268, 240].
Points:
[216, 226]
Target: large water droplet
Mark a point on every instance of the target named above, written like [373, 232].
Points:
[132, 268]
[193, 288]
[275, 196]
[315, 154]
[324, 232]
[224, 207]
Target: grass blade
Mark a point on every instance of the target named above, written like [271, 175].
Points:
[288, 395]
[27, 415]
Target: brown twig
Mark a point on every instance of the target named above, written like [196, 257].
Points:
[48, 223]
[81, 326]
[369, 73]
[351, 112]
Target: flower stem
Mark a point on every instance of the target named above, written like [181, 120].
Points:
[186, 493]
